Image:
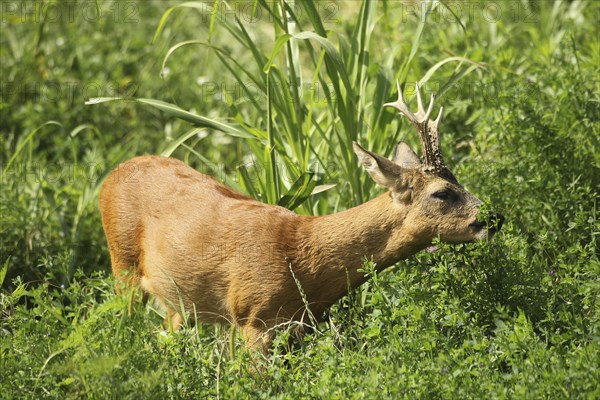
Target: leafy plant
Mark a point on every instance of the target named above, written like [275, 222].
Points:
[275, 93]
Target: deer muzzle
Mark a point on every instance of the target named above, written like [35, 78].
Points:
[492, 225]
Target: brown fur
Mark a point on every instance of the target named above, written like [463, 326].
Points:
[179, 234]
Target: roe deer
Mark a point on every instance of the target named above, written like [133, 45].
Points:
[189, 240]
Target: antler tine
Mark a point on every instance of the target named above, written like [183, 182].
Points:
[400, 96]
[419, 100]
[401, 106]
[433, 126]
[434, 137]
[421, 113]
[430, 109]
[428, 130]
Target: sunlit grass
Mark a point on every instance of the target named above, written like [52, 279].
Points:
[271, 107]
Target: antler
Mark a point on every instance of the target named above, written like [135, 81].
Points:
[428, 130]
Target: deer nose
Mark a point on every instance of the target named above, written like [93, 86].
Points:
[495, 222]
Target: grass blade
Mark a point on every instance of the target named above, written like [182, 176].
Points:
[27, 139]
[179, 141]
[180, 113]
[300, 191]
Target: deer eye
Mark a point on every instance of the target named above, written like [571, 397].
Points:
[442, 194]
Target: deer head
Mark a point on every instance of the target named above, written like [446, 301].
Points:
[437, 204]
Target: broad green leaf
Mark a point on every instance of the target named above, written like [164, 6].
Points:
[279, 43]
[299, 192]
[249, 184]
[180, 113]
[331, 51]
[437, 66]
[189, 4]
[178, 46]
[179, 141]
[322, 188]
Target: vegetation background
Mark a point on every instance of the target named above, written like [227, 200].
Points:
[267, 96]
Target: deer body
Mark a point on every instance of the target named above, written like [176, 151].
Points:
[179, 233]
[189, 240]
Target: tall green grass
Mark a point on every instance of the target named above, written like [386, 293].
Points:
[517, 317]
[300, 134]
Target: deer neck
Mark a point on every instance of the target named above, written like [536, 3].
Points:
[333, 247]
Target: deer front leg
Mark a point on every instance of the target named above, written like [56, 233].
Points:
[173, 320]
[257, 336]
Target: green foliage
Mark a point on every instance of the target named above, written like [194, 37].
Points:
[275, 93]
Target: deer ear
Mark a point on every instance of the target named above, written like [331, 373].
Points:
[405, 157]
[383, 171]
